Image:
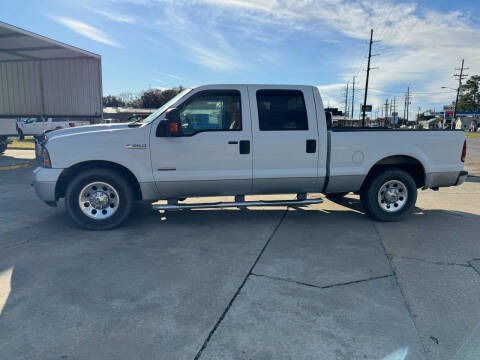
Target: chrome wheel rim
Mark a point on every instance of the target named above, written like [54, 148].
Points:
[98, 200]
[392, 196]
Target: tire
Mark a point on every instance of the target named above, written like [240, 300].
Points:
[20, 135]
[389, 195]
[336, 196]
[3, 146]
[112, 205]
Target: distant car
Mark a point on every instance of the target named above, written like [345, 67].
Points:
[136, 117]
[110, 121]
[34, 126]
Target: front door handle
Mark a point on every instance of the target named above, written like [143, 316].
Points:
[311, 146]
[244, 146]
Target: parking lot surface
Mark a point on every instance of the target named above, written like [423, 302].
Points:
[324, 281]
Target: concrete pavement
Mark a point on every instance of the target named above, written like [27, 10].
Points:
[320, 282]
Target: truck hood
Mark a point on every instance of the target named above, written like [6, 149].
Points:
[84, 129]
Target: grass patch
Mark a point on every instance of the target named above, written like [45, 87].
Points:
[473, 134]
[22, 144]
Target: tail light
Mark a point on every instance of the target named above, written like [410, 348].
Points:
[71, 124]
[464, 151]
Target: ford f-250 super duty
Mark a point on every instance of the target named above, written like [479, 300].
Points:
[236, 140]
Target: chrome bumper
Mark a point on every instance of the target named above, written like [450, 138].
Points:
[462, 177]
[45, 181]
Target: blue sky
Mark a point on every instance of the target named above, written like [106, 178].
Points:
[146, 44]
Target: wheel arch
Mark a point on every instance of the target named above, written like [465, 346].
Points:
[69, 173]
[408, 163]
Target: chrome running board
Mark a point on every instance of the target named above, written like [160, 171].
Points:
[239, 204]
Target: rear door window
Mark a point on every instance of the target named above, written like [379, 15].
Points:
[281, 110]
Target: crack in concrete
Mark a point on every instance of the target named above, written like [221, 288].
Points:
[237, 292]
[319, 286]
[429, 261]
[31, 238]
[402, 293]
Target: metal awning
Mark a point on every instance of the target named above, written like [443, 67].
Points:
[44, 77]
[21, 45]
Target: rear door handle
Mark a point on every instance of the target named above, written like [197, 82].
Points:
[232, 142]
[311, 146]
[244, 146]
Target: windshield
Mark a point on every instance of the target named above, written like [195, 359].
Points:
[165, 106]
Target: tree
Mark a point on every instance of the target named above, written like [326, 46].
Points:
[469, 99]
[112, 101]
[155, 98]
[148, 99]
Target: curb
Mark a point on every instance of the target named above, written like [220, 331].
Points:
[13, 167]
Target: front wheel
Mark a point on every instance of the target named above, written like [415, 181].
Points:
[99, 199]
[390, 195]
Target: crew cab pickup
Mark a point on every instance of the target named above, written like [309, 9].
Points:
[237, 140]
[35, 126]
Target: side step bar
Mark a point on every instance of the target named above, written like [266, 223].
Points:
[239, 204]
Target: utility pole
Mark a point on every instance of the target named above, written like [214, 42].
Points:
[460, 78]
[394, 109]
[346, 103]
[353, 95]
[408, 101]
[368, 75]
[386, 111]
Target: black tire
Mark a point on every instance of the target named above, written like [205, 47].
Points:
[369, 196]
[3, 146]
[336, 196]
[113, 179]
[20, 135]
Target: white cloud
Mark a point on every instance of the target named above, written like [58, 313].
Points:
[176, 77]
[116, 17]
[204, 45]
[87, 31]
[419, 47]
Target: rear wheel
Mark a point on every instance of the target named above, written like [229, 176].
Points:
[390, 195]
[99, 199]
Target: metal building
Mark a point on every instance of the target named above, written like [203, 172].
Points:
[43, 77]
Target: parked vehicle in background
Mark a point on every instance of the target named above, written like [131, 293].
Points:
[8, 127]
[34, 126]
[236, 140]
[111, 121]
[137, 117]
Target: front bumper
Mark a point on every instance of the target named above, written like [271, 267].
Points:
[462, 177]
[45, 181]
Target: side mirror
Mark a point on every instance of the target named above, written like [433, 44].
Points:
[171, 126]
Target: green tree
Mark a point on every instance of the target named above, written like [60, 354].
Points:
[469, 99]
[112, 101]
[155, 98]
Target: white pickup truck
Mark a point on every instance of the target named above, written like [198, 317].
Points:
[35, 126]
[236, 140]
